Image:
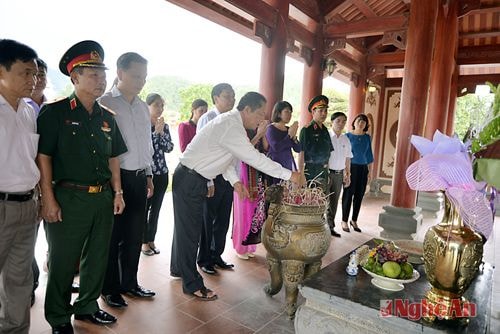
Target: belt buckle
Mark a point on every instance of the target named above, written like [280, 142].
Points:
[95, 189]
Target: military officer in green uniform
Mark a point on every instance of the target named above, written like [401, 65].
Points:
[316, 144]
[81, 189]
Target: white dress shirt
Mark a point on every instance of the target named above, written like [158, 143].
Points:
[341, 151]
[220, 144]
[206, 117]
[19, 142]
[134, 122]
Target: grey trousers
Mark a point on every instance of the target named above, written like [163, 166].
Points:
[334, 189]
[17, 244]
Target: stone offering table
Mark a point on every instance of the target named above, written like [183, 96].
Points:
[339, 303]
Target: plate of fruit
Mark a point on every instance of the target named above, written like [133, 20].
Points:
[389, 267]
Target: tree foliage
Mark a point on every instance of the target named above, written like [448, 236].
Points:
[191, 93]
[338, 101]
[471, 112]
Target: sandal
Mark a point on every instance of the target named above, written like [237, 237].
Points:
[148, 252]
[202, 294]
[154, 248]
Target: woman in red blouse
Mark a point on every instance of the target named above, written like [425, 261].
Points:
[187, 130]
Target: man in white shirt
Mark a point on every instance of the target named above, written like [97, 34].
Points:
[217, 208]
[339, 165]
[213, 151]
[134, 121]
[18, 178]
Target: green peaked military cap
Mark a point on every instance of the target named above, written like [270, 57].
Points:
[319, 101]
[83, 54]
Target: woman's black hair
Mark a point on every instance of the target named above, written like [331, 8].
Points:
[151, 98]
[278, 108]
[365, 118]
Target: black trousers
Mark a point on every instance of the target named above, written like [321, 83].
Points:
[126, 239]
[216, 217]
[355, 192]
[160, 182]
[189, 190]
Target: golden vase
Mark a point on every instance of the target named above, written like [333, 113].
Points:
[452, 255]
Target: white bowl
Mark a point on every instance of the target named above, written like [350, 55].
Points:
[391, 284]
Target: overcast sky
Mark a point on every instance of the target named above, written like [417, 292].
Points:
[175, 41]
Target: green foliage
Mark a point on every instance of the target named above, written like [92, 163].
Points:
[471, 113]
[338, 101]
[168, 87]
[191, 93]
[496, 99]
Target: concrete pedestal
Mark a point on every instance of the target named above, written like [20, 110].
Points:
[399, 223]
[430, 202]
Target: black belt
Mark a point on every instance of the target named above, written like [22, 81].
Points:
[192, 171]
[137, 172]
[340, 171]
[92, 189]
[17, 197]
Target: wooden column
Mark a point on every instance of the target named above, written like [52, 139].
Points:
[450, 126]
[442, 69]
[312, 83]
[357, 95]
[416, 79]
[272, 65]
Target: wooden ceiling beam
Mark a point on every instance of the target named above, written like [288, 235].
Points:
[487, 54]
[364, 8]
[474, 55]
[334, 7]
[478, 79]
[368, 27]
[480, 34]
[258, 9]
[345, 60]
[309, 8]
[299, 33]
[216, 13]
[386, 59]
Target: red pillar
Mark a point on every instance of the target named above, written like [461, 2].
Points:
[377, 139]
[416, 79]
[357, 95]
[442, 69]
[450, 126]
[312, 83]
[272, 65]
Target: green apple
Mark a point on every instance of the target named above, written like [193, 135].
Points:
[407, 268]
[391, 269]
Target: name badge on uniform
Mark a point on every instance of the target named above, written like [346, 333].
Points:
[105, 127]
[70, 122]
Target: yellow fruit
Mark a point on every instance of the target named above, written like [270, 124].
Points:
[391, 269]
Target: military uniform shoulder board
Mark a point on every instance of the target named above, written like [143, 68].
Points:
[59, 99]
[108, 110]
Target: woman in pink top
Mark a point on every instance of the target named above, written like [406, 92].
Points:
[187, 130]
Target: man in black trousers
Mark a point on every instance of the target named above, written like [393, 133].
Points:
[133, 119]
[217, 208]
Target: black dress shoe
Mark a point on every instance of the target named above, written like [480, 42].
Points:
[63, 329]
[224, 265]
[115, 300]
[100, 317]
[335, 234]
[208, 269]
[140, 292]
